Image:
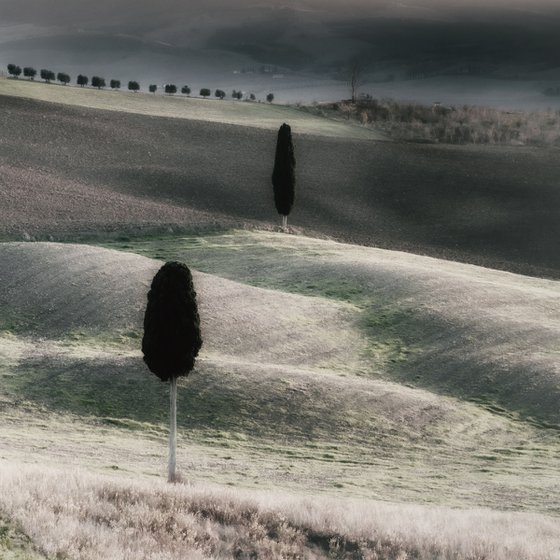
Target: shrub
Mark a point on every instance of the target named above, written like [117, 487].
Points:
[451, 125]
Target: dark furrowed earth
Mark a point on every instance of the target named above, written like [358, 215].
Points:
[96, 170]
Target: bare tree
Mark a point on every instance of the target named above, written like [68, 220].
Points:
[356, 77]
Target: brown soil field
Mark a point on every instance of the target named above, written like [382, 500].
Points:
[69, 170]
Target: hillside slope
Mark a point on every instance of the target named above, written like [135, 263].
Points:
[485, 205]
[291, 391]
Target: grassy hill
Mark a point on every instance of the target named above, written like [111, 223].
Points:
[330, 374]
[326, 369]
[390, 370]
[257, 115]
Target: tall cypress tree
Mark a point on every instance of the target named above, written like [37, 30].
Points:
[284, 173]
[172, 338]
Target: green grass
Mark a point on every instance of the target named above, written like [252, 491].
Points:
[260, 115]
[14, 544]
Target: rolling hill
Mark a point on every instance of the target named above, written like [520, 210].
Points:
[494, 206]
[343, 370]
[348, 376]
[337, 381]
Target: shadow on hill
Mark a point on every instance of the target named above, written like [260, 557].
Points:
[495, 206]
[238, 402]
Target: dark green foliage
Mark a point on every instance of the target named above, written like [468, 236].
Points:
[82, 80]
[252, 97]
[205, 92]
[270, 97]
[63, 78]
[186, 90]
[170, 89]
[237, 94]
[115, 84]
[152, 88]
[133, 86]
[171, 324]
[98, 82]
[220, 93]
[283, 175]
[47, 75]
[14, 70]
[29, 72]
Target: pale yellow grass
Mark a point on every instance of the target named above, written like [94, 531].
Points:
[81, 289]
[78, 516]
[259, 115]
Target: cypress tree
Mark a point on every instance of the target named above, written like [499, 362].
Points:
[283, 175]
[172, 338]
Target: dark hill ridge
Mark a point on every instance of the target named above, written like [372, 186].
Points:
[494, 206]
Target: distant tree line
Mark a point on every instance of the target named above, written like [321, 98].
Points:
[98, 82]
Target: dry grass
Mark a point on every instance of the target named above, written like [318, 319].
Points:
[450, 125]
[338, 388]
[76, 516]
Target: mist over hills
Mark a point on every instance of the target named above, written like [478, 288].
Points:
[214, 42]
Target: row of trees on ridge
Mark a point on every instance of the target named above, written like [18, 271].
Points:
[100, 83]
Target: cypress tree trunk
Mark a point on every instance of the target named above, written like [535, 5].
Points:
[172, 429]
[284, 222]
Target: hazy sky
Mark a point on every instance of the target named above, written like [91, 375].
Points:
[207, 40]
[152, 12]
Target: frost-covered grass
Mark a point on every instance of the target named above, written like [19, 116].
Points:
[78, 516]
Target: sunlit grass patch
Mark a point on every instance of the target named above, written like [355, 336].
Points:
[260, 115]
